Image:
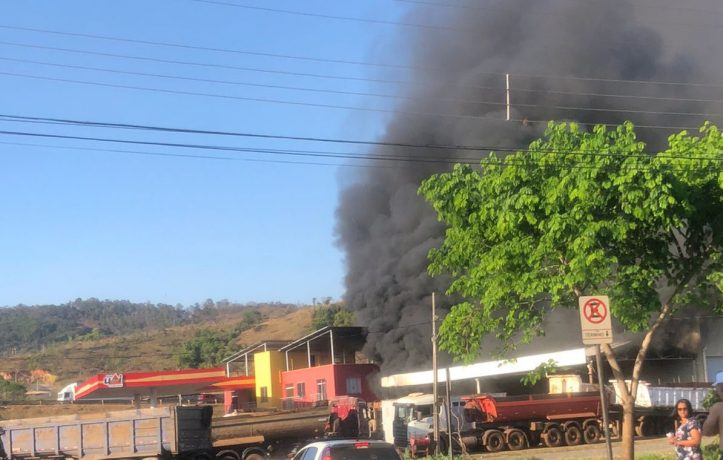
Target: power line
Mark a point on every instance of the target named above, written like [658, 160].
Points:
[240, 83]
[202, 157]
[382, 157]
[513, 89]
[253, 99]
[358, 93]
[324, 16]
[342, 61]
[209, 65]
[345, 107]
[199, 48]
[477, 148]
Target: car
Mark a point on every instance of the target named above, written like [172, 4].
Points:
[348, 449]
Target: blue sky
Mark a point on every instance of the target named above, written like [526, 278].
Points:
[80, 220]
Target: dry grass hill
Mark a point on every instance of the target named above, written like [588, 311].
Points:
[138, 352]
[150, 350]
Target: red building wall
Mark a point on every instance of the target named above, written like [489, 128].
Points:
[340, 380]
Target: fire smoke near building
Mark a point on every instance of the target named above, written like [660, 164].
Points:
[653, 62]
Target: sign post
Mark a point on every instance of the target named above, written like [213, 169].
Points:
[596, 329]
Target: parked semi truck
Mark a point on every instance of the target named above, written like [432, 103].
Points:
[493, 423]
[171, 432]
[497, 422]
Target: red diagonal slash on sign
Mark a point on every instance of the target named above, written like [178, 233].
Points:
[595, 311]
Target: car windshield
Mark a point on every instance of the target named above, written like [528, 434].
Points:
[353, 452]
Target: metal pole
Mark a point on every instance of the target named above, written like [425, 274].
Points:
[448, 390]
[507, 94]
[435, 407]
[603, 401]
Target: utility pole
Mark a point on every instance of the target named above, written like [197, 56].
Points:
[435, 407]
[507, 94]
[448, 408]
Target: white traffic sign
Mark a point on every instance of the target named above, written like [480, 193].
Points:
[595, 320]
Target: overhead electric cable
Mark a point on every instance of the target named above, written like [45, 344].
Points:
[254, 99]
[513, 89]
[479, 149]
[209, 65]
[324, 16]
[477, 161]
[356, 93]
[341, 61]
[240, 83]
[201, 157]
[199, 48]
[328, 106]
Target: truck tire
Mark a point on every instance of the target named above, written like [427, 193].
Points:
[591, 433]
[573, 436]
[552, 437]
[517, 440]
[228, 455]
[494, 441]
[645, 427]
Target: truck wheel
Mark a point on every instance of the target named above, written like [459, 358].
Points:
[573, 436]
[494, 441]
[516, 440]
[552, 437]
[228, 455]
[591, 433]
[645, 427]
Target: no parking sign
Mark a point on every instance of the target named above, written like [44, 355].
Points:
[595, 320]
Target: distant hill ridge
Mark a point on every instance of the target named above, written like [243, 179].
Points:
[86, 337]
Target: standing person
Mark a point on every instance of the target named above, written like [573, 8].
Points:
[714, 423]
[687, 436]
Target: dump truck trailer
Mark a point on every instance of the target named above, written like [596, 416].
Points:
[165, 432]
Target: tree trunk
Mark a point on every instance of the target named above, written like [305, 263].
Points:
[627, 443]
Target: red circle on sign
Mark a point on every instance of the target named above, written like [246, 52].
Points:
[595, 311]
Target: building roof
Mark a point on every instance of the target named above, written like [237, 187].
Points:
[520, 365]
[350, 337]
[255, 348]
[159, 383]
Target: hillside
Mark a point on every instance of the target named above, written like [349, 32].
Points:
[151, 349]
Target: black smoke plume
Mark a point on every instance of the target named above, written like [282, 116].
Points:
[600, 50]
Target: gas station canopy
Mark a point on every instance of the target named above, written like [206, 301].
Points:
[133, 385]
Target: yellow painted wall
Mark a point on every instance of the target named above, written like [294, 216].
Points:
[268, 366]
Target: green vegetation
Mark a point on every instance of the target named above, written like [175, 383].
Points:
[207, 348]
[155, 344]
[11, 391]
[581, 213]
[711, 398]
[331, 314]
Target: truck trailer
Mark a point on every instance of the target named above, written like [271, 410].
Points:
[164, 433]
[493, 423]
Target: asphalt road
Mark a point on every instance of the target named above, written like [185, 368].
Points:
[596, 451]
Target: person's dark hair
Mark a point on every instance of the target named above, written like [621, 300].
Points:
[688, 405]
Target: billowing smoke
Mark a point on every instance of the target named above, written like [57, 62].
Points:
[567, 59]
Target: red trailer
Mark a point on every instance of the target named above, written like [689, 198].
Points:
[485, 422]
[518, 422]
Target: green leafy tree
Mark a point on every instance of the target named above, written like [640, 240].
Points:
[207, 348]
[331, 315]
[249, 319]
[11, 391]
[581, 213]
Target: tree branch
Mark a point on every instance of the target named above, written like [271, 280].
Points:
[617, 373]
[647, 339]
